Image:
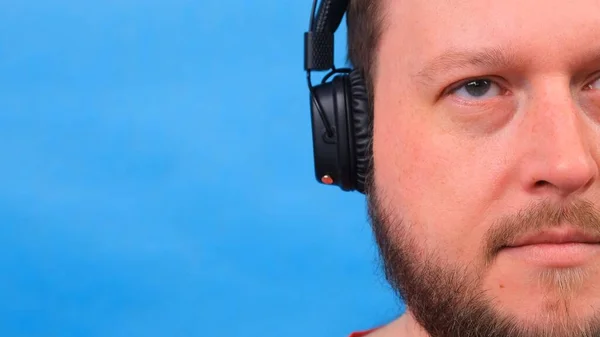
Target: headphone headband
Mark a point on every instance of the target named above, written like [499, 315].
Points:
[330, 15]
[318, 41]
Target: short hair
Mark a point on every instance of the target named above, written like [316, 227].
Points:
[364, 21]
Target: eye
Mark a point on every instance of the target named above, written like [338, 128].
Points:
[477, 89]
[594, 85]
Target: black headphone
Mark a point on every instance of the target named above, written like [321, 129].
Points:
[340, 111]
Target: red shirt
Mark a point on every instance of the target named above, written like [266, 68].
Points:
[361, 333]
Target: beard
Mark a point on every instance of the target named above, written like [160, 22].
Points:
[449, 299]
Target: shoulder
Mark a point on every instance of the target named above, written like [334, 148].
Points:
[378, 332]
[364, 333]
[396, 328]
[375, 333]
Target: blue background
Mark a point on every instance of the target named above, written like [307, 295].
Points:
[157, 177]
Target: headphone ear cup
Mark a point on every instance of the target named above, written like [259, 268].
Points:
[360, 121]
[334, 161]
[342, 159]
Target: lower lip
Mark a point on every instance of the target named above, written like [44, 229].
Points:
[554, 255]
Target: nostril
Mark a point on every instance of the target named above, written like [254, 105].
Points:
[541, 183]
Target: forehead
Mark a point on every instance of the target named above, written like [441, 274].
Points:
[415, 31]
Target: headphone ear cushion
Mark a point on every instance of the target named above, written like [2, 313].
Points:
[362, 128]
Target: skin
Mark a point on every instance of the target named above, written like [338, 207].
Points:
[452, 164]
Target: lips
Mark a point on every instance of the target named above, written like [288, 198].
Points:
[564, 235]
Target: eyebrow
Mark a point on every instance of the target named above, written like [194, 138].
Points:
[452, 59]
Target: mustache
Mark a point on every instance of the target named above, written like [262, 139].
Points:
[581, 214]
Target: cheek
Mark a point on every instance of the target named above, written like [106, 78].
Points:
[435, 179]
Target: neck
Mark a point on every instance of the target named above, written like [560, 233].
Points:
[404, 326]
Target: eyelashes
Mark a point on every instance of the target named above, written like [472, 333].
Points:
[484, 88]
[477, 89]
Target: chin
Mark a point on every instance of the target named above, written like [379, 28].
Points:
[546, 295]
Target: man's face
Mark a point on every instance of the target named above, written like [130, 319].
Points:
[486, 135]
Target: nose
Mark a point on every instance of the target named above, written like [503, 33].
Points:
[560, 155]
